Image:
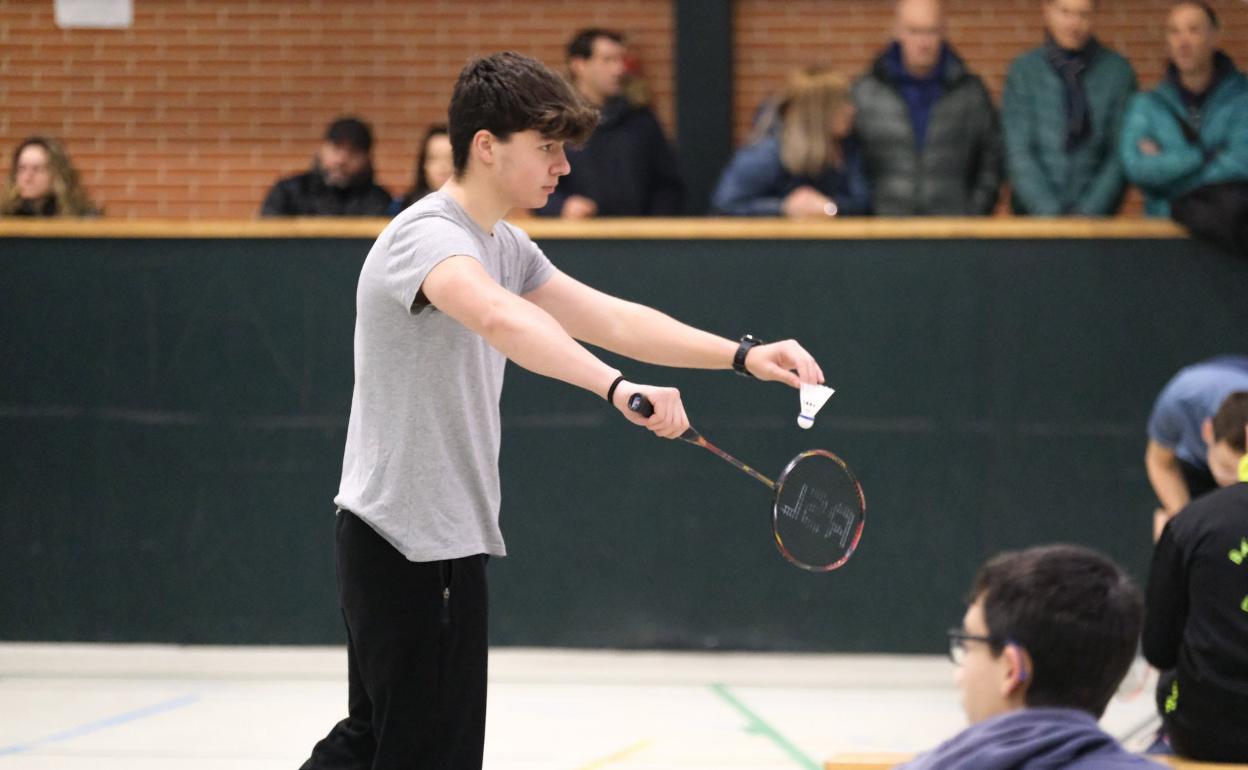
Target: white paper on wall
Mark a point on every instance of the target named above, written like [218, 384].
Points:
[94, 14]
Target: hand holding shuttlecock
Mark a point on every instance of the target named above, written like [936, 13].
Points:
[813, 399]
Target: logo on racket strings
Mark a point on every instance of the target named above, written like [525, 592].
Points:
[811, 511]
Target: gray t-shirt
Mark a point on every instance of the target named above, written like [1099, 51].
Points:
[421, 461]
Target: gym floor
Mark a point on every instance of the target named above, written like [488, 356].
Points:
[146, 707]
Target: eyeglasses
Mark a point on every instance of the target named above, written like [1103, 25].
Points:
[957, 644]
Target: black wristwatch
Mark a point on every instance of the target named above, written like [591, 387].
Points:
[738, 361]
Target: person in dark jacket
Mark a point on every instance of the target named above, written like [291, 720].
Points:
[928, 127]
[434, 165]
[626, 168]
[803, 160]
[1192, 129]
[44, 183]
[1062, 112]
[1049, 634]
[1196, 627]
[340, 182]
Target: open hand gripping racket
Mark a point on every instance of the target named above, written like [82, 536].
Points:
[817, 509]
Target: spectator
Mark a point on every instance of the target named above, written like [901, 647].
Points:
[928, 128]
[803, 161]
[1192, 129]
[44, 183]
[1196, 627]
[626, 168]
[1062, 113]
[340, 182]
[1186, 457]
[1049, 634]
[434, 166]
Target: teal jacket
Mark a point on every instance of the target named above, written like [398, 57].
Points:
[1181, 167]
[1046, 179]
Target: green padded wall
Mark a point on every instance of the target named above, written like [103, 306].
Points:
[172, 416]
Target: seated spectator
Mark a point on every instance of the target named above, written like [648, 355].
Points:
[626, 168]
[44, 183]
[1049, 634]
[1196, 627]
[803, 160]
[1192, 129]
[928, 129]
[1186, 457]
[340, 182]
[1062, 113]
[434, 165]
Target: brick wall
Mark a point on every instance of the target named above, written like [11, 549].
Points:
[203, 103]
[196, 110]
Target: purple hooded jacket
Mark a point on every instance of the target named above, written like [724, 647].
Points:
[1032, 739]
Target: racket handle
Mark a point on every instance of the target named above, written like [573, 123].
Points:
[642, 406]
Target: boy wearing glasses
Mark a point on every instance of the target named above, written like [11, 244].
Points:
[1049, 634]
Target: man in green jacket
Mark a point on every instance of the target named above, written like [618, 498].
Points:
[1062, 112]
[1192, 129]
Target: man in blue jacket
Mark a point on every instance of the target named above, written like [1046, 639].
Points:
[1049, 634]
[1192, 129]
[1062, 112]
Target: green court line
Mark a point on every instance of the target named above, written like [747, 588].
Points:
[757, 725]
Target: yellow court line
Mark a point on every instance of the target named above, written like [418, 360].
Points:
[622, 754]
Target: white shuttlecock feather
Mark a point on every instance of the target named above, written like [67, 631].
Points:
[813, 398]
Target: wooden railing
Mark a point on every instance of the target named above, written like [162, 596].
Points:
[655, 229]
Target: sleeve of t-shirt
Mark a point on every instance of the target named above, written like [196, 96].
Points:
[1165, 424]
[535, 266]
[1165, 613]
[417, 247]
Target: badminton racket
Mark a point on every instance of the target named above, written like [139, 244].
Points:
[817, 510]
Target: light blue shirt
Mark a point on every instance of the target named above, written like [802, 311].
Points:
[1191, 397]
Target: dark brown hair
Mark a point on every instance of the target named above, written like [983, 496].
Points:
[581, 46]
[1074, 611]
[420, 181]
[506, 93]
[1230, 420]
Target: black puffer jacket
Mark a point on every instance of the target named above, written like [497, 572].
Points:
[307, 195]
[626, 167]
[958, 170]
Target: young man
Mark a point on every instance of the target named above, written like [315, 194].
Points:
[447, 294]
[1188, 453]
[929, 131]
[627, 168]
[1062, 111]
[1049, 634]
[340, 182]
[1192, 129]
[1196, 631]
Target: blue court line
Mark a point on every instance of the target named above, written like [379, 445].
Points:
[760, 727]
[101, 724]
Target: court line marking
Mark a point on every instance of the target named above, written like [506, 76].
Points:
[623, 753]
[759, 726]
[102, 724]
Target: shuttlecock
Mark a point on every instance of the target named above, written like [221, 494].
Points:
[813, 398]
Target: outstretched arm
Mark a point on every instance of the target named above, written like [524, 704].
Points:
[460, 287]
[645, 334]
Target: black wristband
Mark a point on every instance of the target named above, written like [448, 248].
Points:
[611, 390]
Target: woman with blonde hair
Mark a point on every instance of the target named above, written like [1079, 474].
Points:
[43, 183]
[803, 159]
